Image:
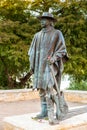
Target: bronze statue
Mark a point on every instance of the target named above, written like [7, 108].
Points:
[47, 55]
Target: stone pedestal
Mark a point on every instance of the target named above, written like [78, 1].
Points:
[76, 119]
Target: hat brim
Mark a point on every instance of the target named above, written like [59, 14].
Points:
[41, 17]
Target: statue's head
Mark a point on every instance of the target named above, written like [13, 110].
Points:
[46, 19]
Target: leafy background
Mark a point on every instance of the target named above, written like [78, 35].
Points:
[18, 24]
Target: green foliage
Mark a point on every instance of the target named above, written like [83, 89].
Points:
[40, 6]
[14, 44]
[14, 10]
[18, 25]
[78, 85]
[16, 32]
[13, 49]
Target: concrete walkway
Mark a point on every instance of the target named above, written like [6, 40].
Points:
[22, 107]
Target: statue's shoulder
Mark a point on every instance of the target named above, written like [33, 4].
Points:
[38, 34]
[58, 31]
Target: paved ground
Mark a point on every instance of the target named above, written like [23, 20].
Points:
[22, 107]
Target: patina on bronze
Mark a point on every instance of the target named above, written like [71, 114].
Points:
[48, 48]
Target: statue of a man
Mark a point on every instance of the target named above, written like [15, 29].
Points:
[47, 48]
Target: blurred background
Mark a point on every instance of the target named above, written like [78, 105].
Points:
[18, 24]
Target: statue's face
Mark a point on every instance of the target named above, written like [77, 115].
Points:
[45, 22]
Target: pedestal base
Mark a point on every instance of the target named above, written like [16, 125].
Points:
[76, 119]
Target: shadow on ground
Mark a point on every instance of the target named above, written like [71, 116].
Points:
[75, 112]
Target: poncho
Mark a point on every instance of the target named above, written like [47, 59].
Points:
[39, 50]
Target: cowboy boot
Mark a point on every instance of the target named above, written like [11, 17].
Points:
[43, 113]
[50, 108]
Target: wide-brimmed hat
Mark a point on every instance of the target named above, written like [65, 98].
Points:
[47, 15]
